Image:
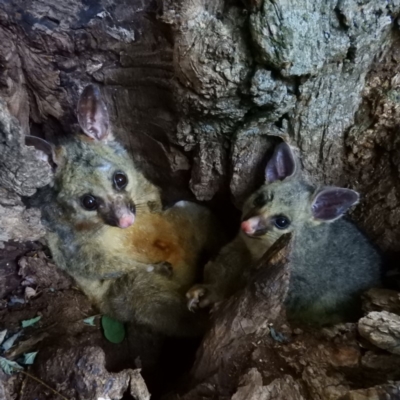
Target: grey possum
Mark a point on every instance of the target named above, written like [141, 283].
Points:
[331, 261]
[106, 228]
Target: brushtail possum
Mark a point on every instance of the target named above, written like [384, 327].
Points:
[107, 229]
[331, 263]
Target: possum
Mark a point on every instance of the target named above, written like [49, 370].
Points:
[106, 227]
[331, 261]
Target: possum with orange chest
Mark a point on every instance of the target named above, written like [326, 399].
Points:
[158, 241]
[106, 228]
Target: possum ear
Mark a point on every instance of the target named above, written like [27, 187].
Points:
[46, 151]
[281, 165]
[331, 203]
[93, 115]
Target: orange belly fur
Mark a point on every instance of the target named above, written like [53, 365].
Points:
[155, 238]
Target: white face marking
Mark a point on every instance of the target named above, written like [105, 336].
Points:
[104, 167]
[150, 269]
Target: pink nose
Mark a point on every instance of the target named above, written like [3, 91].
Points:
[250, 226]
[126, 220]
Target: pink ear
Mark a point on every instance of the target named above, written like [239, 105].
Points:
[92, 114]
[331, 203]
[281, 165]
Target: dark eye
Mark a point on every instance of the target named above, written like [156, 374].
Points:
[120, 180]
[90, 202]
[282, 222]
[259, 201]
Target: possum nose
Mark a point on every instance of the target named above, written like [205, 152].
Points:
[250, 226]
[126, 220]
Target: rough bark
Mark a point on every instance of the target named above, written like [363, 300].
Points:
[52, 50]
[200, 91]
[245, 315]
[305, 71]
[382, 299]
[252, 352]
[389, 391]
[21, 172]
[382, 329]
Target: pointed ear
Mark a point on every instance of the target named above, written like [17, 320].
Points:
[281, 165]
[48, 152]
[93, 115]
[331, 203]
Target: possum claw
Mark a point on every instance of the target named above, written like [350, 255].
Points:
[192, 305]
[194, 296]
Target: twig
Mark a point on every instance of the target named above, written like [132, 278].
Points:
[25, 346]
[41, 382]
[21, 390]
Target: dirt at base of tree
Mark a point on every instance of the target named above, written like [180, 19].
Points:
[247, 354]
[73, 357]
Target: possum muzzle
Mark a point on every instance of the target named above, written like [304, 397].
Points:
[120, 212]
[254, 226]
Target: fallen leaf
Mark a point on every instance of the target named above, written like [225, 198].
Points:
[8, 366]
[26, 346]
[16, 300]
[90, 321]
[10, 341]
[30, 322]
[29, 358]
[3, 335]
[114, 331]
[277, 336]
[29, 292]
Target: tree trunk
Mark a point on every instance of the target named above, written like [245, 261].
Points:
[200, 91]
[251, 352]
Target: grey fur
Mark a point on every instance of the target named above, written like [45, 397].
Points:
[140, 273]
[331, 263]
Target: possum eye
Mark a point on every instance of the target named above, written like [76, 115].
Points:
[281, 222]
[120, 180]
[90, 202]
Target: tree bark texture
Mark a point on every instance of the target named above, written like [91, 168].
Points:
[21, 172]
[322, 75]
[252, 352]
[200, 91]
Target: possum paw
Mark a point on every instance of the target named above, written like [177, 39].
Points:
[199, 296]
[163, 268]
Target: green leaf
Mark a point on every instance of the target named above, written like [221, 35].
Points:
[30, 322]
[114, 331]
[3, 335]
[29, 358]
[90, 320]
[8, 366]
[10, 341]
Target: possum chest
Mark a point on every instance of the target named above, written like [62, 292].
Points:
[153, 238]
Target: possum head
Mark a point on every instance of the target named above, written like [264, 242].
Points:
[96, 182]
[285, 203]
